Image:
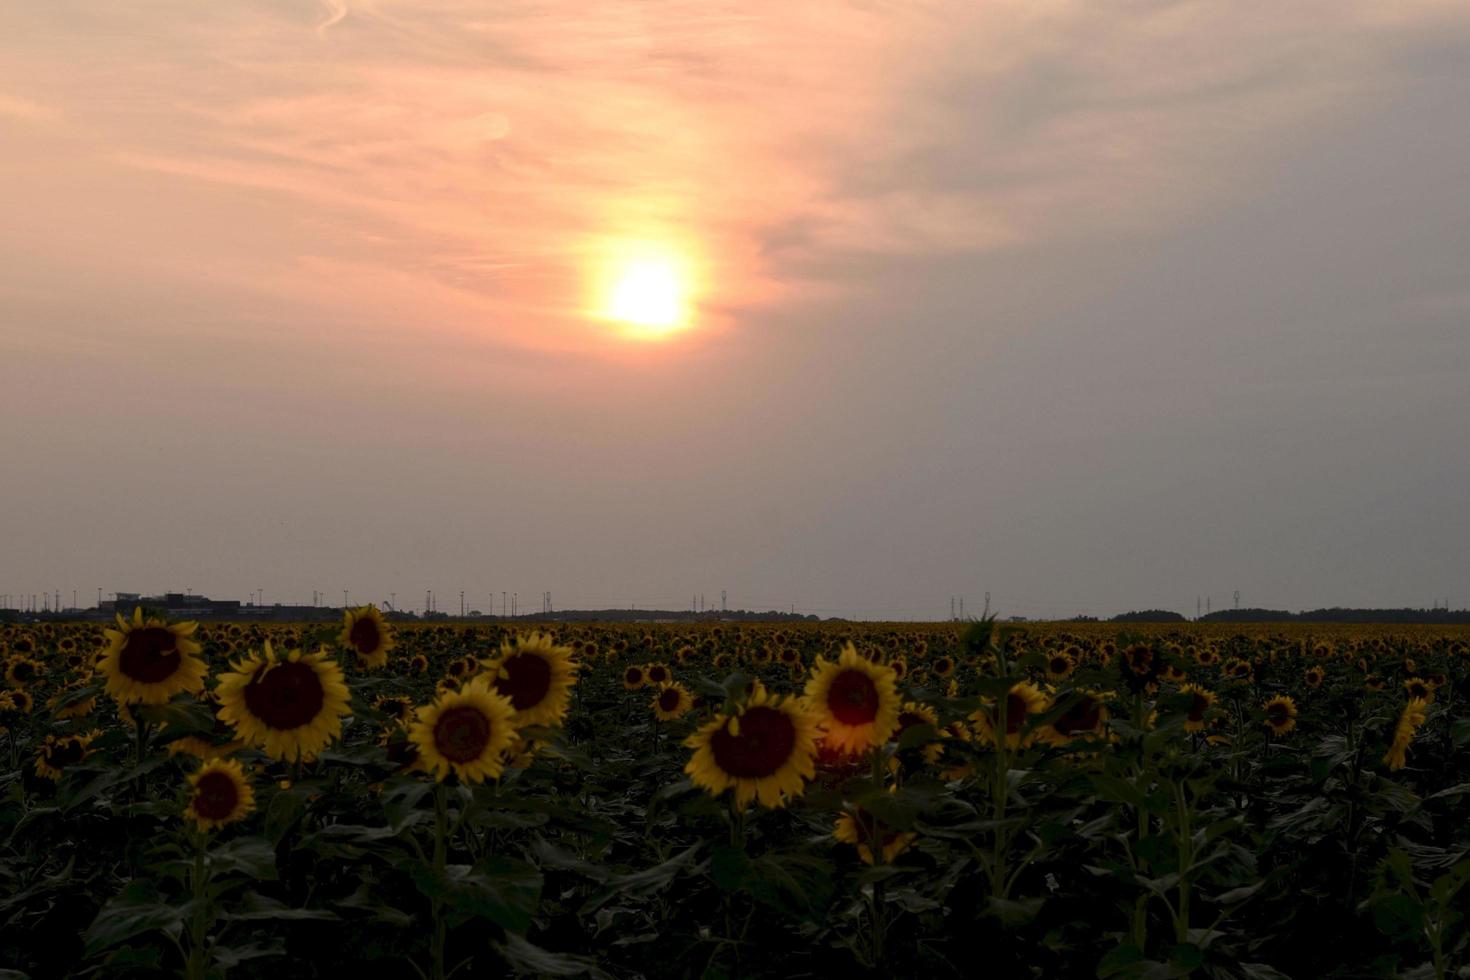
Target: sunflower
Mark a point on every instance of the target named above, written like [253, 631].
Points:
[291, 706]
[914, 713]
[634, 677]
[10, 712]
[219, 794]
[1023, 700]
[672, 701]
[854, 700]
[366, 634]
[766, 750]
[395, 706]
[466, 732]
[1415, 713]
[863, 830]
[21, 670]
[1201, 700]
[1313, 676]
[942, 666]
[149, 661]
[537, 676]
[23, 699]
[1419, 689]
[1280, 714]
[1238, 669]
[1085, 717]
[57, 753]
[418, 664]
[1374, 682]
[1059, 666]
[899, 666]
[657, 674]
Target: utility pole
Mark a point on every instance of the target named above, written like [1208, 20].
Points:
[987, 605]
[951, 609]
[461, 603]
[962, 607]
[504, 607]
[1237, 599]
[723, 607]
[1196, 607]
[393, 601]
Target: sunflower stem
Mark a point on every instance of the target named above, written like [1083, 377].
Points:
[737, 840]
[142, 745]
[198, 955]
[875, 848]
[441, 822]
[1186, 858]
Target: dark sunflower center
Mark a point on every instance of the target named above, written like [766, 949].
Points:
[1084, 716]
[1276, 713]
[633, 676]
[908, 719]
[1198, 705]
[286, 696]
[658, 675]
[461, 734]
[66, 753]
[526, 681]
[853, 698]
[365, 637]
[1059, 665]
[668, 699]
[1015, 713]
[215, 796]
[24, 671]
[150, 655]
[763, 746]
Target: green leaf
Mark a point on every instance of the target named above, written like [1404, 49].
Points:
[527, 958]
[137, 909]
[505, 892]
[254, 857]
[257, 907]
[643, 882]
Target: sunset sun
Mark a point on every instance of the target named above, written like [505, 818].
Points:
[647, 294]
[646, 290]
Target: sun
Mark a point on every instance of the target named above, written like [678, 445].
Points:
[646, 289]
[647, 293]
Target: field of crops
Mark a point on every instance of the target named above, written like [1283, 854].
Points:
[723, 800]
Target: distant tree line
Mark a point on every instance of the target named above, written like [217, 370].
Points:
[1149, 616]
[1337, 614]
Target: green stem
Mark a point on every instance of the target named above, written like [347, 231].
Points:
[877, 905]
[737, 840]
[441, 824]
[195, 967]
[1186, 858]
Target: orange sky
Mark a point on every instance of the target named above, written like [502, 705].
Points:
[359, 226]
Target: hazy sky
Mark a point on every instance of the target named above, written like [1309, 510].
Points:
[1092, 305]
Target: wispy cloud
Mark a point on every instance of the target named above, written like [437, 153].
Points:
[499, 151]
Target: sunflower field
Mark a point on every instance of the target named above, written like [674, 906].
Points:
[376, 798]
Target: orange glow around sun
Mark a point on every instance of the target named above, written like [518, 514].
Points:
[646, 290]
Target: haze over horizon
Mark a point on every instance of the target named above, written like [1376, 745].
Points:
[854, 306]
